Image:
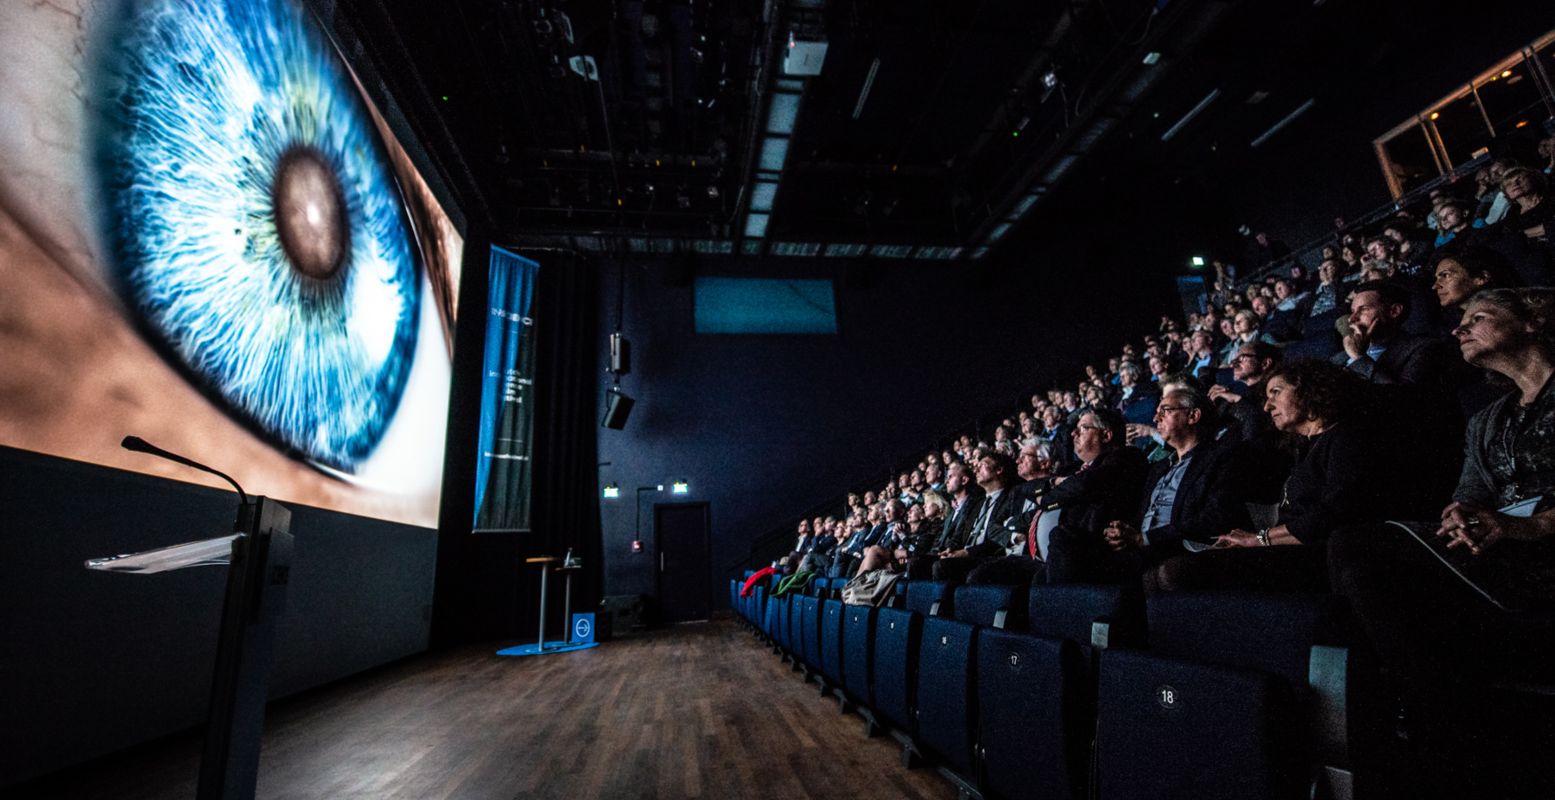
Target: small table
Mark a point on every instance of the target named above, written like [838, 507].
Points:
[542, 561]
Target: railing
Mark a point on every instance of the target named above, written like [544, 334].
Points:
[1372, 217]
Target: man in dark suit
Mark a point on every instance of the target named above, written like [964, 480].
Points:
[989, 533]
[1378, 349]
[964, 498]
[1192, 498]
[1420, 376]
[1106, 485]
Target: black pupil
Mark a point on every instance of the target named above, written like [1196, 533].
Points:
[310, 213]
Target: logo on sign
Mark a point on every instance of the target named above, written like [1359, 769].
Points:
[1167, 697]
[582, 628]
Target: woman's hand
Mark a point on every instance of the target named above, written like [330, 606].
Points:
[1478, 529]
[1238, 538]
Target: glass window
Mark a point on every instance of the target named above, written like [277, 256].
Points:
[1461, 128]
[1512, 97]
[1409, 158]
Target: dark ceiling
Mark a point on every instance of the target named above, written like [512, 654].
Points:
[978, 118]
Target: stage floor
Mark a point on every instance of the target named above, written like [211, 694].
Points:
[697, 710]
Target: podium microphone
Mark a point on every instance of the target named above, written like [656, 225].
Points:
[140, 445]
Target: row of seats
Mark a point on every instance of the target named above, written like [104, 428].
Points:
[1087, 691]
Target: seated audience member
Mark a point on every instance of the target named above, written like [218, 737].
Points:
[803, 542]
[1136, 399]
[988, 534]
[1245, 329]
[1410, 250]
[1461, 273]
[894, 534]
[1105, 485]
[1432, 630]
[1378, 349]
[1346, 474]
[957, 517]
[1329, 293]
[1244, 421]
[1188, 501]
[1201, 353]
[1454, 224]
[1529, 213]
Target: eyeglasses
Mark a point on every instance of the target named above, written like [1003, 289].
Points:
[1089, 428]
[1159, 410]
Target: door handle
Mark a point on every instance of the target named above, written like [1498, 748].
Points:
[661, 562]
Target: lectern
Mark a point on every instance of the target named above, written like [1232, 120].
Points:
[258, 558]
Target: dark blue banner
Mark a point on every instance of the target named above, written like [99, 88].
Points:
[504, 470]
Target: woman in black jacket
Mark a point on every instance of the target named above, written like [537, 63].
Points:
[1348, 471]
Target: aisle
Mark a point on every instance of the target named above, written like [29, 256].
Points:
[694, 711]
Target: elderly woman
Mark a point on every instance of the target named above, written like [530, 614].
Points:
[1440, 600]
[1346, 473]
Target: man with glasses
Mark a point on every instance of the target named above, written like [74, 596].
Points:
[1193, 497]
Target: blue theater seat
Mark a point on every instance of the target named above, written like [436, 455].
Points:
[930, 598]
[895, 667]
[1241, 695]
[1090, 615]
[810, 632]
[944, 696]
[796, 628]
[1034, 715]
[831, 641]
[771, 620]
[992, 605]
[858, 650]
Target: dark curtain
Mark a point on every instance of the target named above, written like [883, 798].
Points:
[485, 591]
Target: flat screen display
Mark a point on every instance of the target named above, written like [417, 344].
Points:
[765, 306]
[210, 238]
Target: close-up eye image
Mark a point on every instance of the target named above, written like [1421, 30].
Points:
[253, 222]
[214, 236]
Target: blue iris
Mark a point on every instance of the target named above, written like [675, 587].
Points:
[204, 102]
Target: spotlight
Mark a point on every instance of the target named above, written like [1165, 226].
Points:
[680, 487]
[1196, 262]
[612, 491]
[1050, 79]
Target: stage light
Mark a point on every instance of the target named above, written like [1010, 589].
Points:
[1196, 262]
[680, 487]
[612, 491]
[1506, 73]
[1151, 58]
[1434, 115]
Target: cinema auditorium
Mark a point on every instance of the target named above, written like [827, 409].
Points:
[998, 399]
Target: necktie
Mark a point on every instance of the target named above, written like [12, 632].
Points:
[1031, 535]
[980, 527]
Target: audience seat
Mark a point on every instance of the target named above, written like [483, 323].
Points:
[858, 649]
[1240, 695]
[895, 666]
[1034, 715]
[830, 650]
[930, 598]
[810, 633]
[992, 605]
[1091, 615]
[945, 714]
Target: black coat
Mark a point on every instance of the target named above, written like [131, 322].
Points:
[1107, 490]
[1211, 500]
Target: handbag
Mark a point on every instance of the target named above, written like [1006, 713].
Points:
[872, 588]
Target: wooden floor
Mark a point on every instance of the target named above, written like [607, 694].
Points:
[695, 711]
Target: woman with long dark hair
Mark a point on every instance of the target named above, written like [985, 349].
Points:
[1345, 473]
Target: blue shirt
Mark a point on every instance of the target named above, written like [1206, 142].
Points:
[1164, 497]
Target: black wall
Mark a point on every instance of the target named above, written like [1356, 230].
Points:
[763, 427]
[95, 662]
